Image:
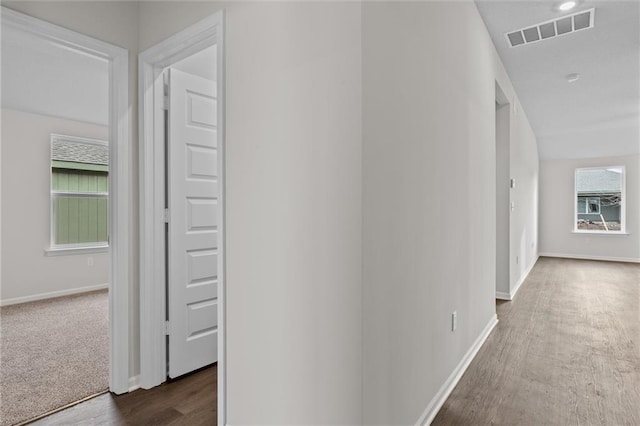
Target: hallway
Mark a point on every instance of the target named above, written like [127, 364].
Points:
[566, 351]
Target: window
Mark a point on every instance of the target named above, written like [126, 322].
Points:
[79, 193]
[588, 205]
[600, 199]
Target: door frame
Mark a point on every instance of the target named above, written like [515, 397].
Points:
[151, 63]
[502, 168]
[119, 178]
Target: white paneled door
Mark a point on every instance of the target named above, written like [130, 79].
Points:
[193, 223]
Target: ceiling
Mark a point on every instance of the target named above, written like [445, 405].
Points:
[596, 116]
[42, 77]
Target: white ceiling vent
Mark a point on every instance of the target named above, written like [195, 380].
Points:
[549, 29]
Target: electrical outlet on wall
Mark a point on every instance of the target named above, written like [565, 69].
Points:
[517, 260]
[454, 320]
[89, 261]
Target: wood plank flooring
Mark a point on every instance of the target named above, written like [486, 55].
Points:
[565, 352]
[191, 400]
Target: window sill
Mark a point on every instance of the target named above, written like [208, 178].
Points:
[64, 251]
[586, 232]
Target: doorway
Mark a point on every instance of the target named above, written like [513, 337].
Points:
[188, 52]
[503, 185]
[79, 181]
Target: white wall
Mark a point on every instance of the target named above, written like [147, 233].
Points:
[361, 187]
[523, 226]
[26, 272]
[429, 197]
[294, 141]
[557, 204]
[293, 206]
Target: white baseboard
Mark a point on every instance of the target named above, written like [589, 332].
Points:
[445, 390]
[524, 276]
[503, 295]
[134, 383]
[589, 257]
[52, 294]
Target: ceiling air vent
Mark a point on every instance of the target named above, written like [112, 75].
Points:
[549, 29]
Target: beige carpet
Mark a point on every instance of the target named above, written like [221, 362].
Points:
[52, 353]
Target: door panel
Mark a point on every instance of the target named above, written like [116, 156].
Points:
[193, 223]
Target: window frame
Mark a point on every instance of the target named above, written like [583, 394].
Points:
[586, 204]
[623, 202]
[72, 248]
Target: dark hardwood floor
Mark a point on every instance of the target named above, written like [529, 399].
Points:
[191, 400]
[565, 352]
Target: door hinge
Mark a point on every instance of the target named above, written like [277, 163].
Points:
[167, 328]
[165, 97]
[166, 216]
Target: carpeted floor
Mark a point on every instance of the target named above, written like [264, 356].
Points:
[52, 353]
